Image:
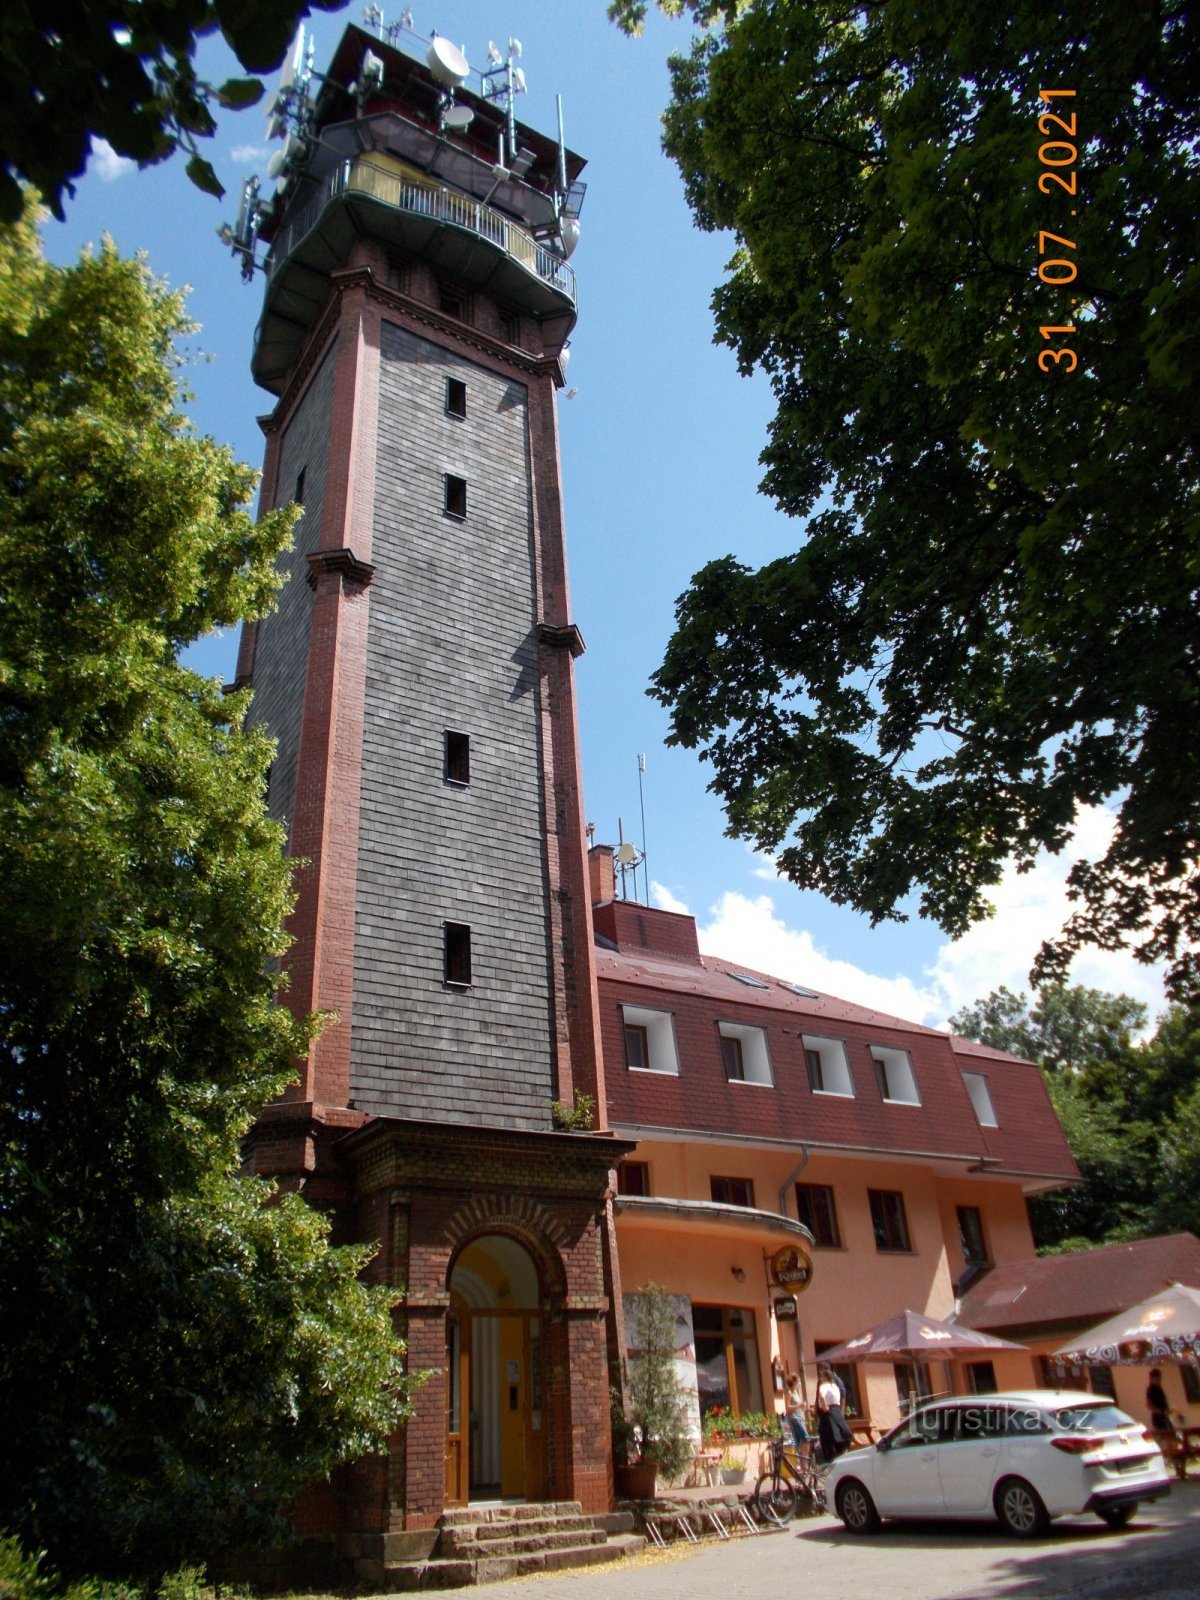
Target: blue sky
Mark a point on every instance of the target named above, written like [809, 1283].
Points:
[660, 450]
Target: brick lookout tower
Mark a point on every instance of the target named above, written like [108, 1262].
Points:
[418, 680]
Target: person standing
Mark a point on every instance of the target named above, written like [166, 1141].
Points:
[795, 1415]
[832, 1427]
[1156, 1401]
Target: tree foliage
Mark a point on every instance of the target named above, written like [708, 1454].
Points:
[992, 616]
[124, 71]
[178, 1354]
[1130, 1109]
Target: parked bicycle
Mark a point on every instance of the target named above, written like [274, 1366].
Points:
[792, 1484]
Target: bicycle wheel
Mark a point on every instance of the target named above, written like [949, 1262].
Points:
[775, 1498]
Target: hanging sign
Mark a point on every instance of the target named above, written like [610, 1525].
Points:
[787, 1310]
[791, 1268]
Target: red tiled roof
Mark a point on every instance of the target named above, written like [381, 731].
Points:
[711, 979]
[1081, 1287]
[699, 991]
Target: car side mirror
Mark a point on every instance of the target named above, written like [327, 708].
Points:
[883, 1444]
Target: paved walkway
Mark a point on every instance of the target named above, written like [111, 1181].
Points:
[1157, 1556]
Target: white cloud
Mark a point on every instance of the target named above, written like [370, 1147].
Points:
[1028, 907]
[751, 932]
[662, 897]
[247, 154]
[107, 164]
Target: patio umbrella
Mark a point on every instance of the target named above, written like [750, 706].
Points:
[1165, 1327]
[920, 1338]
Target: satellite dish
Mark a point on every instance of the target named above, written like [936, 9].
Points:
[518, 78]
[458, 117]
[447, 63]
[277, 163]
[514, 49]
[568, 232]
[627, 855]
[494, 55]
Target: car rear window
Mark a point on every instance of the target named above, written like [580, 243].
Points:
[1102, 1418]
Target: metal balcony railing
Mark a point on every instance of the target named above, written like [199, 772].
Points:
[426, 200]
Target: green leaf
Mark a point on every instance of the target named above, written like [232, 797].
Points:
[237, 93]
[204, 177]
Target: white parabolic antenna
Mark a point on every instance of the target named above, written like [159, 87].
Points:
[447, 62]
[458, 117]
[627, 855]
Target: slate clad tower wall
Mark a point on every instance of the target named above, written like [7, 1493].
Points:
[452, 646]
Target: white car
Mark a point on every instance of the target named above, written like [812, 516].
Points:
[1024, 1457]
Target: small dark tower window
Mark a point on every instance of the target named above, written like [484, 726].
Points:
[510, 325]
[298, 497]
[456, 954]
[454, 300]
[456, 497]
[456, 397]
[458, 757]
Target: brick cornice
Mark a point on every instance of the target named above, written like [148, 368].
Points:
[418, 311]
[353, 571]
[561, 635]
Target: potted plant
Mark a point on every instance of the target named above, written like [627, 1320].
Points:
[651, 1432]
[733, 1470]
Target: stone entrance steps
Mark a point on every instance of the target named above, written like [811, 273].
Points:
[485, 1544]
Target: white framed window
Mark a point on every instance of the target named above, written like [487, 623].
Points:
[894, 1074]
[981, 1099]
[745, 1053]
[828, 1069]
[650, 1040]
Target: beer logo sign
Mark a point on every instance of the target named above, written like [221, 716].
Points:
[791, 1268]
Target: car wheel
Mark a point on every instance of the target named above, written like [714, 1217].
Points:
[1020, 1509]
[1116, 1516]
[856, 1508]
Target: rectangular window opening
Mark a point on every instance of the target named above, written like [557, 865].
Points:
[981, 1099]
[732, 1191]
[456, 397]
[298, 497]
[453, 300]
[735, 1069]
[889, 1220]
[458, 757]
[633, 1177]
[970, 1230]
[745, 1054]
[828, 1068]
[649, 1040]
[456, 954]
[727, 1365]
[456, 497]
[817, 1211]
[894, 1074]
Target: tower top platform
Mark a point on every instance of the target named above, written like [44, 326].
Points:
[482, 204]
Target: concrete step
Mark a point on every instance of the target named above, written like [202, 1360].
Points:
[524, 1542]
[459, 1516]
[514, 1527]
[446, 1574]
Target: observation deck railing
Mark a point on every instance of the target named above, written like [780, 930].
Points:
[431, 200]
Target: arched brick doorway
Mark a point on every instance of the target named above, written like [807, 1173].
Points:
[495, 1374]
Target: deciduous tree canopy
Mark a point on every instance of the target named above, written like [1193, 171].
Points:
[124, 71]
[178, 1355]
[992, 616]
[1130, 1110]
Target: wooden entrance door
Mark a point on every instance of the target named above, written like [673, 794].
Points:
[458, 1391]
[495, 1421]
